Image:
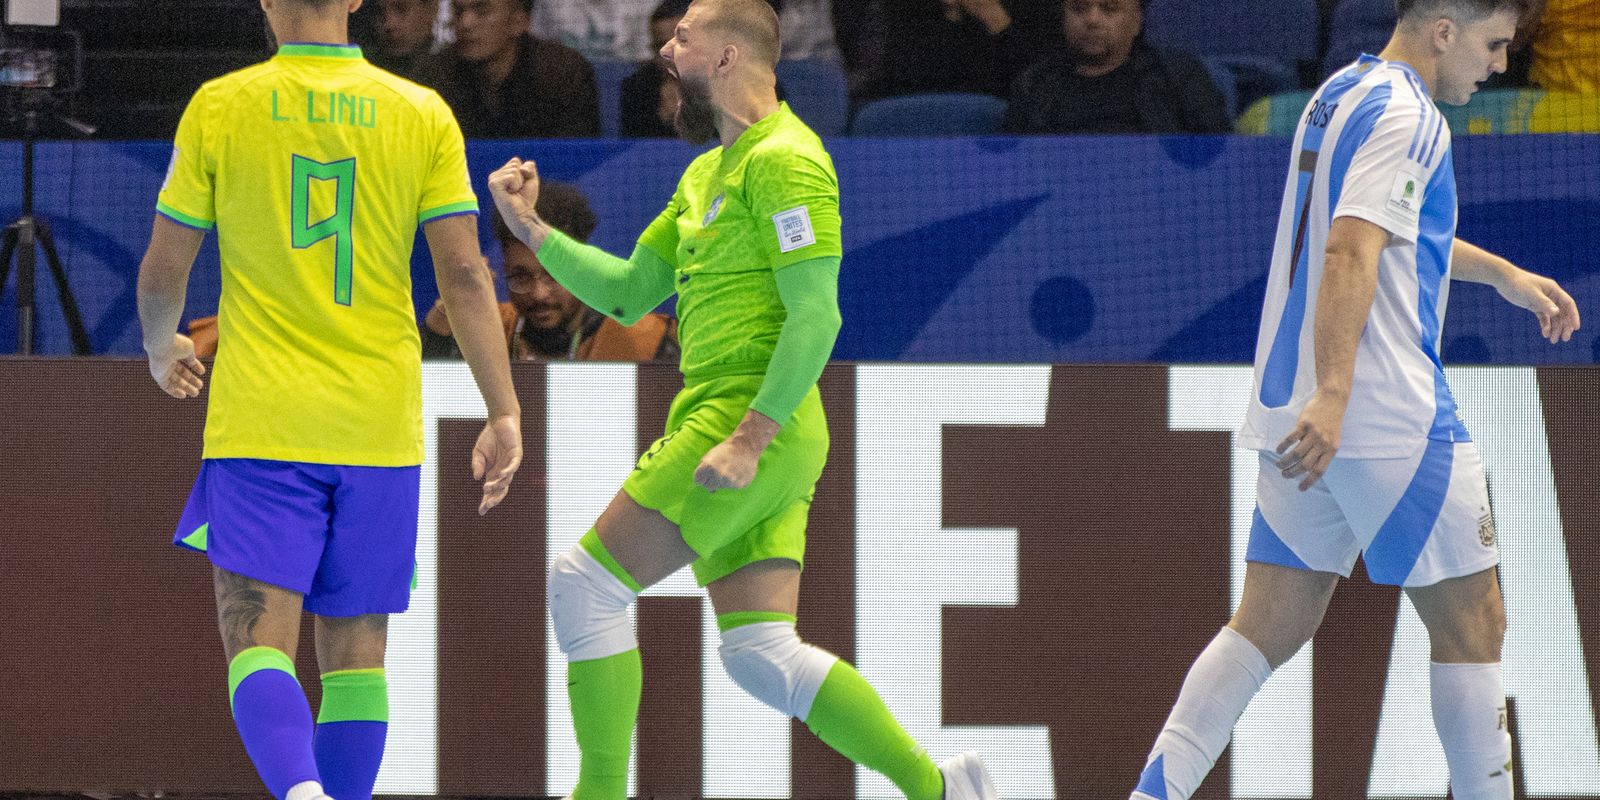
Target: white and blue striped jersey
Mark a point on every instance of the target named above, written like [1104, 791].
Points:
[1371, 145]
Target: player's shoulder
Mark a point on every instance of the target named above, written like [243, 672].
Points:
[423, 100]
[229, 84]
[792, 147]
[1399, 91]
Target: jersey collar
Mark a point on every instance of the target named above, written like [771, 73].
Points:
[758, 131]
[318, 50]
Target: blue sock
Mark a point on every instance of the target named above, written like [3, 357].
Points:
[273, 718]
[351, 727]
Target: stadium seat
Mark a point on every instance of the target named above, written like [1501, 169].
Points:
[1490, 111]
[936, 114]
[1227, 84]
[1282, 30]
[1261, 43]
[1358, 26]
[818, 92]
[1273, 116]
[608, 77]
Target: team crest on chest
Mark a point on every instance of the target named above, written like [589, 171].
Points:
[716, 207]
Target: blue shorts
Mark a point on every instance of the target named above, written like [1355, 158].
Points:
[344, 537]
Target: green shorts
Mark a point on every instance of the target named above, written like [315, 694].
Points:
[733, 527]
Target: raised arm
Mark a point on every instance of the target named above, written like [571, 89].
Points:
[623, 290]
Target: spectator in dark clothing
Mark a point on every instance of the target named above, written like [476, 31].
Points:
[402, 35]
[897, 47]
[1107, 79]
[649, 95]
[504, 83]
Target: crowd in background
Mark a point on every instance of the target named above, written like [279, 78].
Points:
[528, 68]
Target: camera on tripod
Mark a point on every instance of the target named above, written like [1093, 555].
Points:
[41, 68]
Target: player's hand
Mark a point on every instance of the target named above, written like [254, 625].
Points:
[1309, 448]
[1557, 313]
[991, 13]
[729, 465]
[515, 189]
[176, 369]
[495, 459]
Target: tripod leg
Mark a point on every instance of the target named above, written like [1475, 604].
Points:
[7, 249]
[69, 304]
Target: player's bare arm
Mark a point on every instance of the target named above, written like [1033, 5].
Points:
[1556, 310]
[163, 281]
[732, 464]
[1344, 300]
[468, 294]
[515, 188]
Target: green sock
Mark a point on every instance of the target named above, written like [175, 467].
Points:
[604, 694]
[850, 717]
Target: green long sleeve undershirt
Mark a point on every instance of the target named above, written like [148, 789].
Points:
[622, 290]
[627, 290]
[810, 294]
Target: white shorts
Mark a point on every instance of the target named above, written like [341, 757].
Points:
[1416, 520]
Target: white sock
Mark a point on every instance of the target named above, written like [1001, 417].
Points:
[1469, 712]
[304, 790]
[1221, 683]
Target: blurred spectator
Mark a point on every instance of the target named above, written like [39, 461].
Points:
[807, 28]
[602, 30]
[614, 30]
[403, 35]
[545, 322]
[1107, 79]
[896, 47]
[650, 95]
[505, 83]
[1566, 47]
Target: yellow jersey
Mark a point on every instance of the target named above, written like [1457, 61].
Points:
[1566, 50]
[315, 168]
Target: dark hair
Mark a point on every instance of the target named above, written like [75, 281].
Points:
[562, 206]
[1469, 10]
[669, 9]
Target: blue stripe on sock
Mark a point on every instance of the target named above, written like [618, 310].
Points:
[1153, 781]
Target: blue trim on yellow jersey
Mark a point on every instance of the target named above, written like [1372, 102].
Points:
[448, 210]
[183, 219]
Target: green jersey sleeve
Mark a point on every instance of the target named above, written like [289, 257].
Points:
[797, 192]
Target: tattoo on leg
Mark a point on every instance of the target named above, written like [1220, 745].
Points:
[241, 603]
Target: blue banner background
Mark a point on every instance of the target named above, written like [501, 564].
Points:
[1087, 249]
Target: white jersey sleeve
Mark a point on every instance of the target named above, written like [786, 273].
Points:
[1387, 178]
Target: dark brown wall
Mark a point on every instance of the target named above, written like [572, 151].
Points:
[111, 676]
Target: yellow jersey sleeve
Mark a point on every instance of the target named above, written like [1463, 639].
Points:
[447, 190]
[187, 194]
